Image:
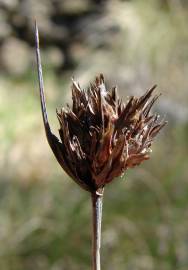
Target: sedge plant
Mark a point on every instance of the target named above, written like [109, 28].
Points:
[100, 138]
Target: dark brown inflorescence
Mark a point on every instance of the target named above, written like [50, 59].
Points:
[100, 135]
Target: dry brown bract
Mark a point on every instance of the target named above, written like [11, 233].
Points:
[100, 135]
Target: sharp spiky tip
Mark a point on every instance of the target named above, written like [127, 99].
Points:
[153, 88]
[40, 79]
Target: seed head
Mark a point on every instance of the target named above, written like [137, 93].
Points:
[100, 136]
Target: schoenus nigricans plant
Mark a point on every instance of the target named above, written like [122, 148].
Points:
[100, 138]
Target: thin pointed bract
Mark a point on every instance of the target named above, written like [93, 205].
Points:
[53, 141]
[40, 78]
[101, 137]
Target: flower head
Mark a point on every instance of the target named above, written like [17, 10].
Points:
[100, 136]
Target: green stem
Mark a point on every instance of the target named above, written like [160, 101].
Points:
[97, 199]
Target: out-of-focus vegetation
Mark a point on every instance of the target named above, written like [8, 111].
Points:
[44, 217]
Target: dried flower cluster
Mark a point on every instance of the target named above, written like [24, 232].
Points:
[101, 136]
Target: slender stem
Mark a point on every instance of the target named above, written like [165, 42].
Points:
[97, 219]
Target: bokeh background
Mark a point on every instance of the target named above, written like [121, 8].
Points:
[45, 219]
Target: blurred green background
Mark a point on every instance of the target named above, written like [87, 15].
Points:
[45, 218]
